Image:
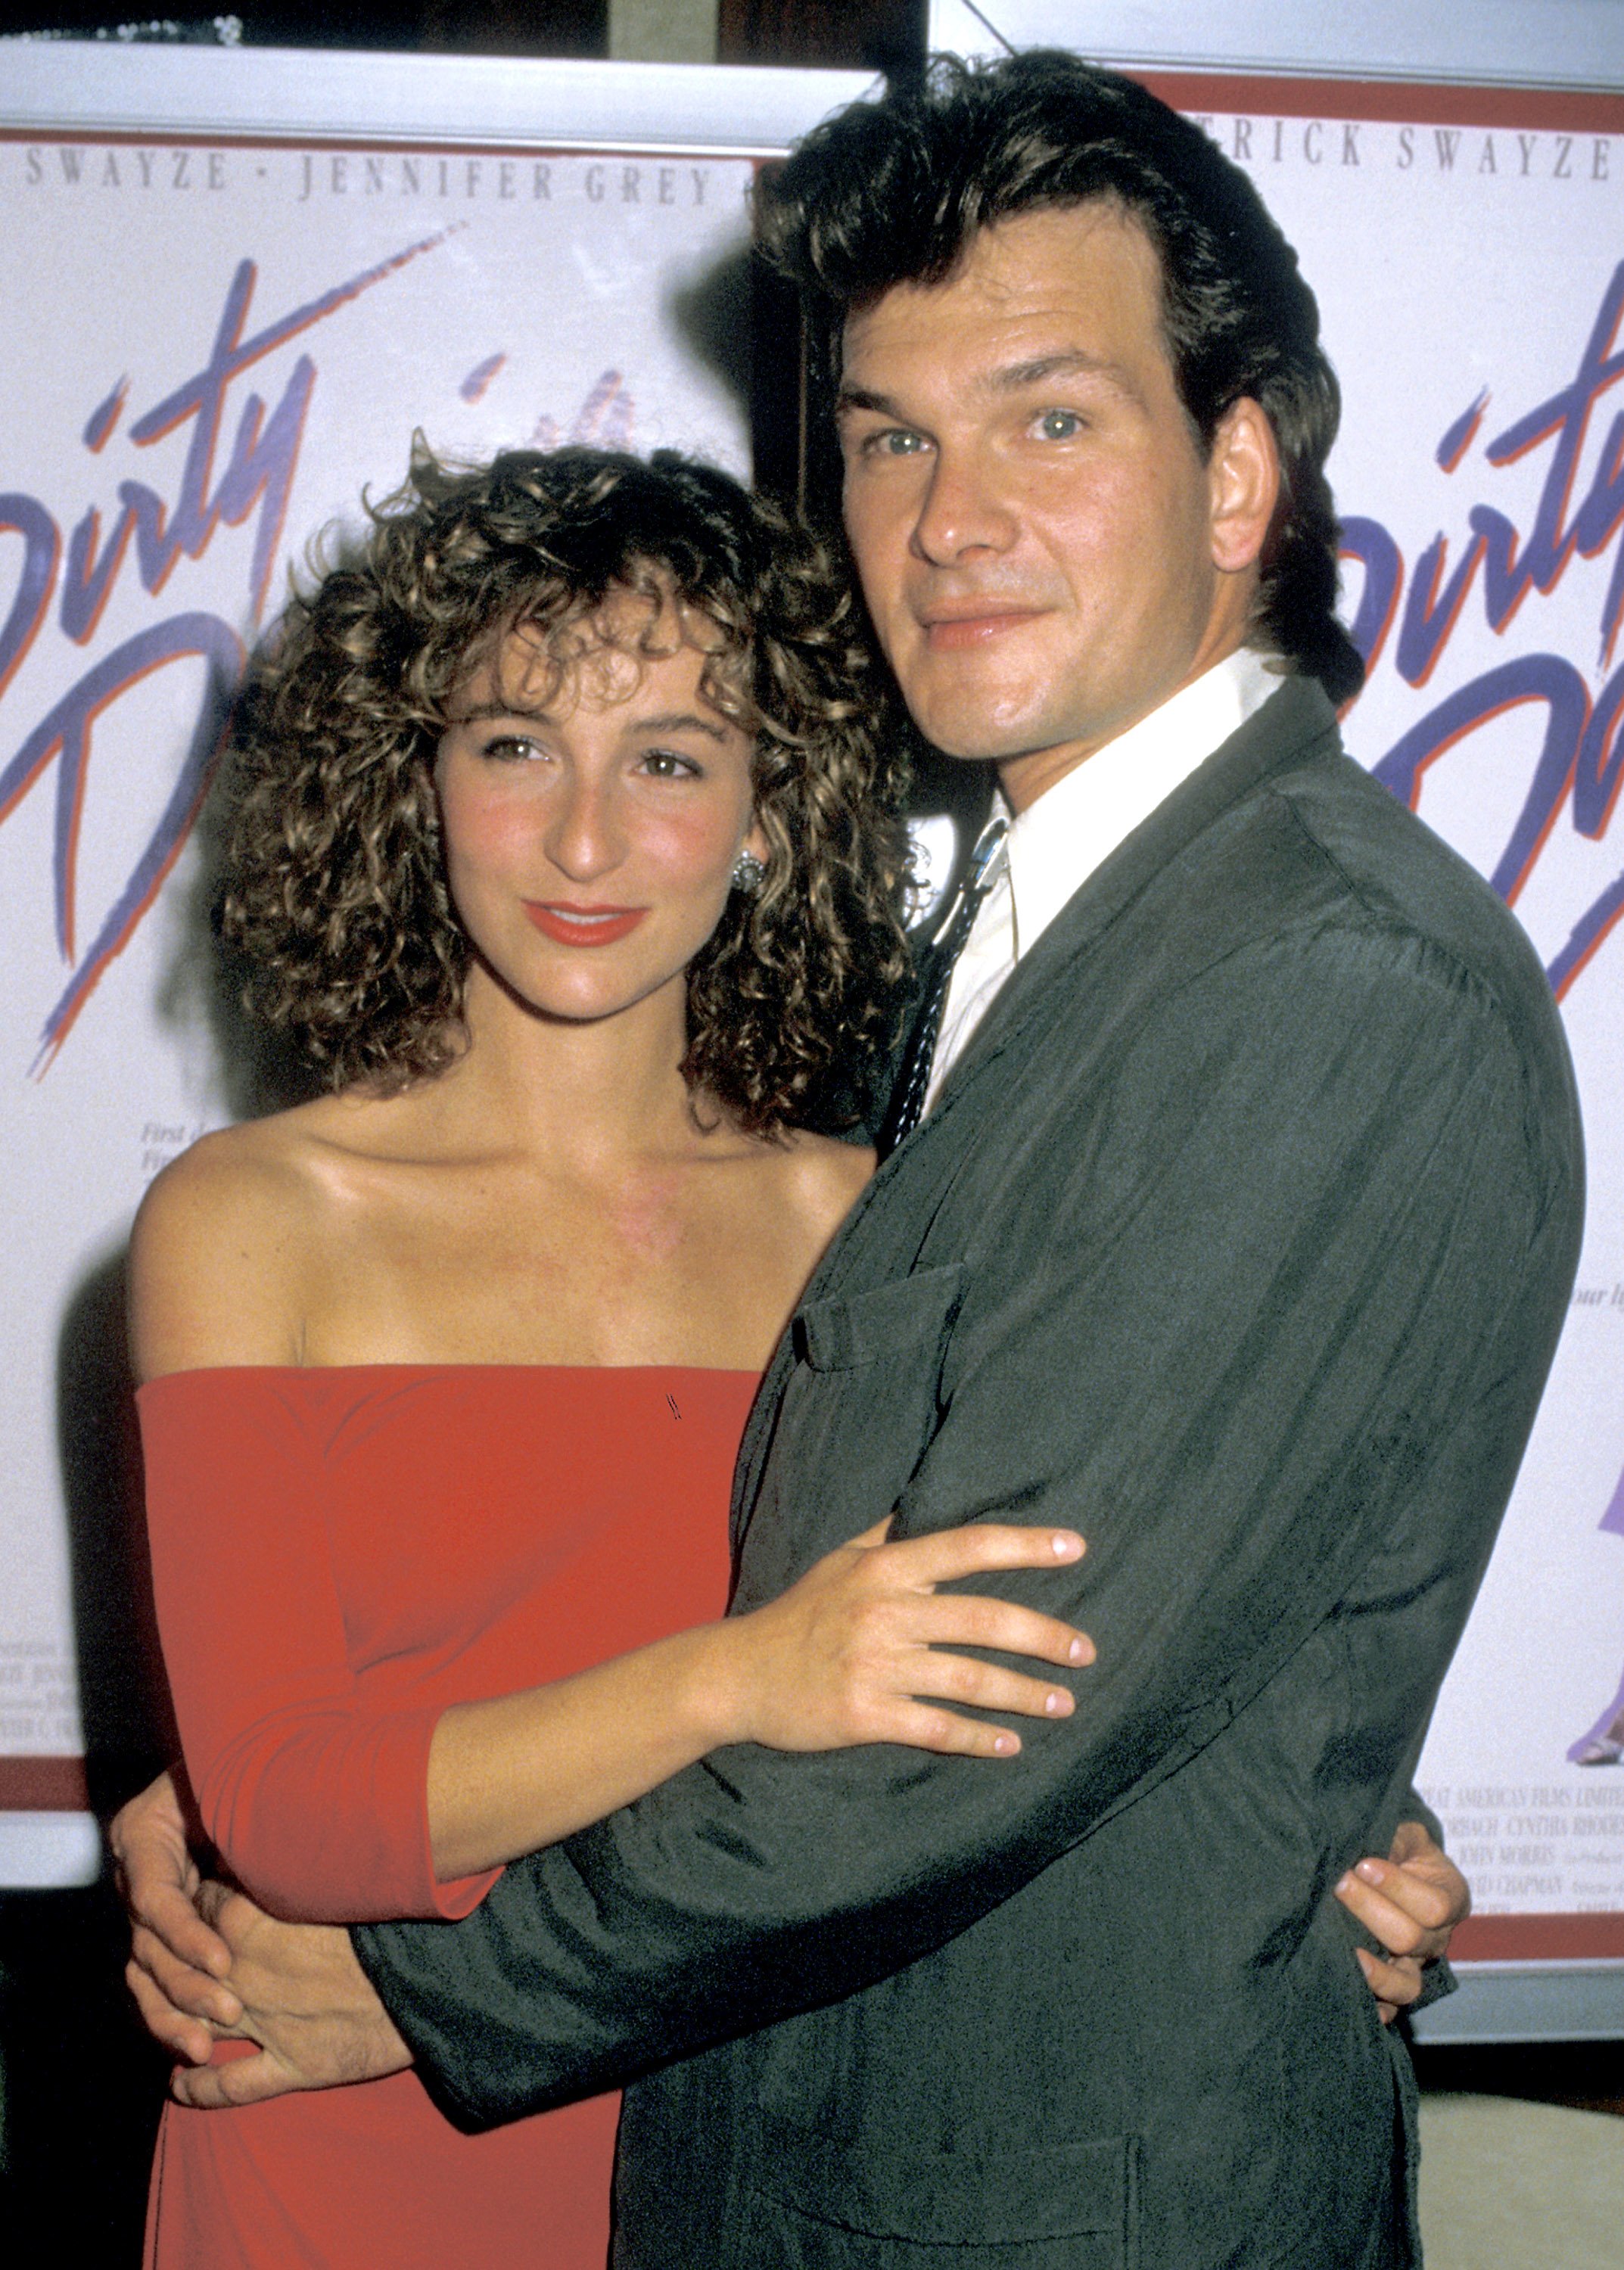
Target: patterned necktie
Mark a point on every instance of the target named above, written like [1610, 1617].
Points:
[914, 1075]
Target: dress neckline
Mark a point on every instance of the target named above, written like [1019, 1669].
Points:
[447, 1370]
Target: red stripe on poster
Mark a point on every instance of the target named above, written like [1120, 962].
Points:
[1410, 102]
[43, 1785]
[1539, 1938]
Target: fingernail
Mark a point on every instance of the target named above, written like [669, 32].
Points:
[1371, 1870]
[1346, 1883]
[1056, 1702]
[1077, 1652]
[1067, 1545]
[1004, 1745]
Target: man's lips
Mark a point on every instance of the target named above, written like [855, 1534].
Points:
[947, 629]
[568, 924]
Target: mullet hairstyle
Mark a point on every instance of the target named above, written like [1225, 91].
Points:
[334, 894]
[893, 192]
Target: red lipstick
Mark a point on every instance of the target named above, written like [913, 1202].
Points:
[571, 926]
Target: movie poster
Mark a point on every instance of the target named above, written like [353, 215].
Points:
[240, 335]
[226, 343]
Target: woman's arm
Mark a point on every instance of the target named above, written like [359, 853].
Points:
[846, 1656]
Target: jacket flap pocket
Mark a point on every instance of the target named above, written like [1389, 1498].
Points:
[841, 1333]
[996, 2197]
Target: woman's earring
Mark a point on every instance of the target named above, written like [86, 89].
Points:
[749, 873]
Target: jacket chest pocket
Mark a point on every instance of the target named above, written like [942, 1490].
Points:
[858, 1412]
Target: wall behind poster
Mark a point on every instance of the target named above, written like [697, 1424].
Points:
[1467, 247]
[223, 337]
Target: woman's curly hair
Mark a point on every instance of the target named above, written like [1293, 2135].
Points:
[335, 893]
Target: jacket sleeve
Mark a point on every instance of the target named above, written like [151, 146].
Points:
[315, 1794]
[1223, 1323]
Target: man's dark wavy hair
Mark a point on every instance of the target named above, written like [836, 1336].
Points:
[892, 192]
[334, 893]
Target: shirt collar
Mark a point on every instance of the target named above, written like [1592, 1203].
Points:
[1056, 844]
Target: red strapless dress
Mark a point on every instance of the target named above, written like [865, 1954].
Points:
[337, 1556]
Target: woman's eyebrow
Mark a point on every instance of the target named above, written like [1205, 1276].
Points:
[478, 710]
[677, 721]
[674, 721]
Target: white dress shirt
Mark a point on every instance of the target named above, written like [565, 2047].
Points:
[1056, 844]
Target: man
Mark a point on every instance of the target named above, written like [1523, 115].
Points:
[1238, 1232]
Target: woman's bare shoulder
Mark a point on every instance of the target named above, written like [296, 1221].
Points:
[222, 1245]
[824, 1178]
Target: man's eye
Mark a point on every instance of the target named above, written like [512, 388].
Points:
[895, 442]
[1058, 426]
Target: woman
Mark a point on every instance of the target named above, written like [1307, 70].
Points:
[564, 846]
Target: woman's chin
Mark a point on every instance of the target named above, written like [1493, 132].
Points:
[575, 996]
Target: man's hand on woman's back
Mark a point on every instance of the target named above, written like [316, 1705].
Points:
[305, 2016]
[1411, 1901]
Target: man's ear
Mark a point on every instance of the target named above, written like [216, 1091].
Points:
[1243, 475]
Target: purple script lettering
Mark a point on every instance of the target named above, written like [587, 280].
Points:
[65, 732]
[257, 477]
[24, 516]
[1582, 750]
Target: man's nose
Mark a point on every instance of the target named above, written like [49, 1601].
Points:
[585, 837]
[962, 511]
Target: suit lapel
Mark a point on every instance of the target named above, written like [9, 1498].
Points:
[1281, 735]
[1292, 726]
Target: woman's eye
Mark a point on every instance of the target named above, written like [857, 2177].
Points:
[512, 748]
[1059, 425]
[666, 764]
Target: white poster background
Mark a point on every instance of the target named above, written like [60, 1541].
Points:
[482, 296]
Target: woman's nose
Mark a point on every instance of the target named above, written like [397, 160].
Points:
[585, 835]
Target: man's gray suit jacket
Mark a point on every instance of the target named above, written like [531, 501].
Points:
[1240, 1240]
